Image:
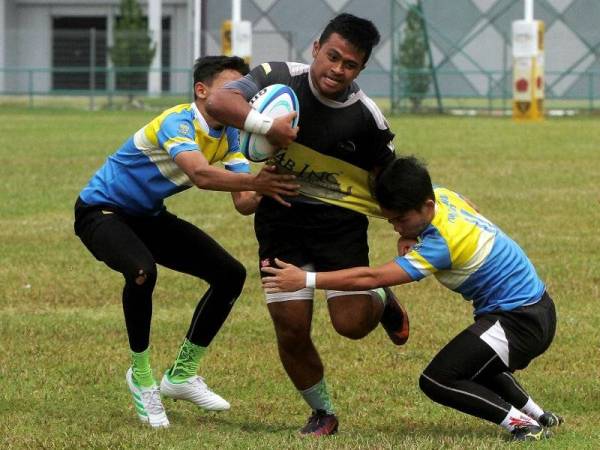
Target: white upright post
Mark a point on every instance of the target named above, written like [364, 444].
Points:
[155, 29]
[241, 32]
[197, 28]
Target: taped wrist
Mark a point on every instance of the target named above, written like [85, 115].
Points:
[257, 123]
[311, 279]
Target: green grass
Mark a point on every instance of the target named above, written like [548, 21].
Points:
[63, 347]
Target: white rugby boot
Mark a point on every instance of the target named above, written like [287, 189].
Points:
[147, 403]
[194, 390]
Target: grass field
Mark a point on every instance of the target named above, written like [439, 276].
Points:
[63, 348]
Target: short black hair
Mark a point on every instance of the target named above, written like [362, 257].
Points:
[404, 185]
[361, 33]
[207, 67]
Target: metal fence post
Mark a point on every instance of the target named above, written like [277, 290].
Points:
[92, 67]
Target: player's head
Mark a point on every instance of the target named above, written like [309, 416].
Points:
[341, 53]
[214, 71]
[361, 33]
[405, 194]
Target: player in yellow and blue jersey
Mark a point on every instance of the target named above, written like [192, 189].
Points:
[121, 218]
[443, 234]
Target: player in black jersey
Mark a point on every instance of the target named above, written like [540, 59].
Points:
[342, 140]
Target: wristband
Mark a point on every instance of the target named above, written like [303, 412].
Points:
[311, 280]
[257, 122]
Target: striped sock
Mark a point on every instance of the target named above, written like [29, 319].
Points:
[187, 362]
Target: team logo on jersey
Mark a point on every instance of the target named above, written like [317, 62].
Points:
[183, 129]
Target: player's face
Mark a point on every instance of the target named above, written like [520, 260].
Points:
[336, 64]
[203, 90]
[411, 224]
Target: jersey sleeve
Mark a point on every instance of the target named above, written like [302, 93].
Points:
[428, 256]
[176, 134]
[378, 133]
[234, 160]
[260, 77]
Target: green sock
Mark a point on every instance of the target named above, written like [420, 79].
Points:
[318, 398]
[187, 362]
[140, 366]
[380, 294]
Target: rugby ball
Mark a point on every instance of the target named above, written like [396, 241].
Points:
[273, 101]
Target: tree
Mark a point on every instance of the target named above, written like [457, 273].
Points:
[133, 49]
[413, 57]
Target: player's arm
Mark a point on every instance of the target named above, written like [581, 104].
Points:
[246, 202]
[287, 278]
[229, 106]
[265, 182]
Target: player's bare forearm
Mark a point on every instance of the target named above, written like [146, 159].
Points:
[228, 106]
[286, 277]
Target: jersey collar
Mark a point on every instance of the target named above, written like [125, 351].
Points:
[204, 124]
[353, 97]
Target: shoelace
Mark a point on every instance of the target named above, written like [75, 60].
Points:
[199, 381]
[151, 399]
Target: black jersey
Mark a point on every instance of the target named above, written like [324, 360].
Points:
[339, 142]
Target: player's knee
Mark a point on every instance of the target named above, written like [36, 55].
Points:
[351, 327]
[143, 275]
[231, 279]
[294, 339]
[428, 386]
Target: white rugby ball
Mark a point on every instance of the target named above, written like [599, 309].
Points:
[273, 101]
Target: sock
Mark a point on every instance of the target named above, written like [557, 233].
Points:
[317, 397]
[516, 418]
[187, 362]
[532, 409]
[140, 366]
[379, 293]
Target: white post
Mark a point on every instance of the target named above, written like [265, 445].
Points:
[529, 10]
[241, 32]
[197, 28]
[155, 29]
[236, 10]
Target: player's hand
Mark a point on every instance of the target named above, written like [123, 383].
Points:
[284, 278]
[281, 134]
[405, 245]
[269, 182]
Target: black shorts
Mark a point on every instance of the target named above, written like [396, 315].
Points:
[519, 335]
[327, 236]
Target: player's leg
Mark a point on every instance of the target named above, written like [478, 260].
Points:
[339, 241]
[292, 316]
[506, 386]
[450, 380]
[530, 330]
[183, 247]
[110, 239]
[283, 232]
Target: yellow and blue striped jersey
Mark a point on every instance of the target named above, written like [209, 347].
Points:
[142, 173]
[472, 256]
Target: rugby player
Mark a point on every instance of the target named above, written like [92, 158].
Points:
[341, 142]
[121, 218]
[444, 235]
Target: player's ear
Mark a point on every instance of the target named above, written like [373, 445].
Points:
[315, 49]
[201, 90]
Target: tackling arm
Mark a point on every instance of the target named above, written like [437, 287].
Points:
[287, 277]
